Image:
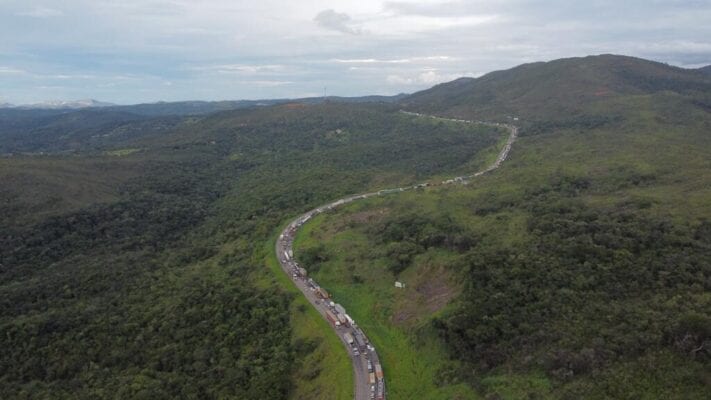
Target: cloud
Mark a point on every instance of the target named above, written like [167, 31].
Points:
[392, 61]
[11, 70]
[341, 22]
[267, 83]
[427, 77]
[41, 12]
[277, 48]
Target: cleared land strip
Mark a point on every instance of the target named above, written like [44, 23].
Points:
[369, 382]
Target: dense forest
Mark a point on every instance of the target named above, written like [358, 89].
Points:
[134, 267]
[580, 269]
[136, 262]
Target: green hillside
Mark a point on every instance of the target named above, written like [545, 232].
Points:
[137, 269]
[557, 89]
[579, 269]
[136, 251]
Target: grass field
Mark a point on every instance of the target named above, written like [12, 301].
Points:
[325, 372]
[409, 364]
[648, 166]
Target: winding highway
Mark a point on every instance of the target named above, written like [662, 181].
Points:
[369, 382]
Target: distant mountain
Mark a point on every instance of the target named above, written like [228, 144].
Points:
[361, 99]
[545, 90]
[196, 107]
[66, 105]
[191, 107]
[59, 130]
[706, 69]
[207, 107]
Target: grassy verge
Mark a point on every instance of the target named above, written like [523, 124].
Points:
[325, 371]
[410, 364]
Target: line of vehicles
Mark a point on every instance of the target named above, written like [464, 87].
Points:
[370, 380]
[371, 384]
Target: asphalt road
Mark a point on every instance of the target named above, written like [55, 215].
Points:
[364, 356]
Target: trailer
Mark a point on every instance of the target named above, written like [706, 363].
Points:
[348, 337]
[360, 341]
[378, 371]
[333, 319]
[322, 292]
[303, 271]
[341, 319]
[371, 378]
[286, 255]
[339, 308]
[349, 319]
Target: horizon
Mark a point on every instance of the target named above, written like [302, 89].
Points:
[174, 50]
[111, 104]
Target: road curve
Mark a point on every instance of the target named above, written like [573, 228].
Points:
[369, 383]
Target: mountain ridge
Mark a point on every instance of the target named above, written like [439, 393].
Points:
[543, 90]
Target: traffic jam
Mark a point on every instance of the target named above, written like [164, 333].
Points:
[365, 359]
[364, 355]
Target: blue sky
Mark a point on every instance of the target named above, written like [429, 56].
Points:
[130, 51]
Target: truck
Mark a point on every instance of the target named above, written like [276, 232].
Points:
[360, 341]
[341, 319]
[303, 271]
[286, 255]
[378, 371]
[340, 309]
[348, 337]
[322, 292]
[371, 378]
[332, 318]
[349, 319]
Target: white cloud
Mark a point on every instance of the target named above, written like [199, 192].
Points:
[341, 22]
[426, 77]
[268, 83]
[214, 49]
[41, 12]
[11, 70]
[392, 61]
[246, 69]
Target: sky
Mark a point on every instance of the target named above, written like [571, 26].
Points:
[133, 51]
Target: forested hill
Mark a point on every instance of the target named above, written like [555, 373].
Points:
[134, 267]
[579, 269]
[133, 247]
[547, 90]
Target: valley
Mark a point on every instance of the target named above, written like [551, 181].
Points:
[149, 251]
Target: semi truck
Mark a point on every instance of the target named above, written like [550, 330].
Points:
[360, 341]
[322, 292]
[341, 319]
[332, 318]
[348, 337]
